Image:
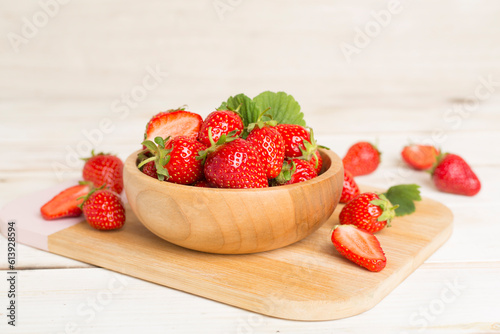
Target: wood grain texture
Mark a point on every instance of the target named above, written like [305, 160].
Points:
[307, 280]
[234, 221]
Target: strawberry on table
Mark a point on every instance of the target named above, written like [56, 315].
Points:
[270, 147]
[173, 123]
[359, 246]
[103, 210]
[66, 203]
[453, 175]
[362, 158]
[221, 122]
[295, 171]
[104, 169]
[235, 164]
[350, 189]
[175, 160]
[420, 157]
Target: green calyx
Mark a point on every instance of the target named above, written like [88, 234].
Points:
[439, 158]
[93, 155]
[160, 155]
[388, 210]
[92, 190]
[259, 123]
[224, 138]
[310, 148]
[286, 173]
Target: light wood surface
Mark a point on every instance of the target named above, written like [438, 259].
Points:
[234, 221]
[307, 280]
[417, 76]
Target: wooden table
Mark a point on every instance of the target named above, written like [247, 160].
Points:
[92, 75]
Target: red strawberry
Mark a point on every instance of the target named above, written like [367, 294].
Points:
[295, 171]
[104, 169]
[176, 161]
[420, 157]
[220, 122]
[362, 158]
[350, 189]
[150, 169]
[65, 204]
[173, 123]
[368, 211]
[359, 246]
[235, 165]
[453, 175]
[103, 210]
[294, 136]
[270, 147]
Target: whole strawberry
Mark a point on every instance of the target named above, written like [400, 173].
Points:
[368, 211]
[103, 210]
[104, 169]
[420, 157]
[270, 148]
[221, 122]
[362, 158]
[453, 175]
[295, 171]
[173, 123]
[235, 165]
[176, 160]
[359, 246]
[294, 137]
[350, 189]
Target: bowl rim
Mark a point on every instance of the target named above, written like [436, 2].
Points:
[131, 166]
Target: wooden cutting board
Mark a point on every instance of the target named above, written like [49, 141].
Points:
[307, 280]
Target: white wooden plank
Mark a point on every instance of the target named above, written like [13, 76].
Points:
[438, 299]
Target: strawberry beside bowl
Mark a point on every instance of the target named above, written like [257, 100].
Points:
[234, 221]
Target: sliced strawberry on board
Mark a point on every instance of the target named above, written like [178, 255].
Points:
[65, 204]
[420, 157]
[359, 246]
[173, 123]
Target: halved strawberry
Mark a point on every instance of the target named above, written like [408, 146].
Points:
[173, 123]
[65, 204]
[420, 157]
[359, 246]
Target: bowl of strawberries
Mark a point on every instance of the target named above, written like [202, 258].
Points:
[248, 178]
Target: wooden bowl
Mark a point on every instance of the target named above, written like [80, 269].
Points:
[234, 221]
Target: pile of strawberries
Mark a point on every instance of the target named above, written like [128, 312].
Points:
[220, 152]
[97, 197]
[367, 213]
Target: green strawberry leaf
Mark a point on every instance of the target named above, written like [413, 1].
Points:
[284, 108]
[404, 195]
[247, 109]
